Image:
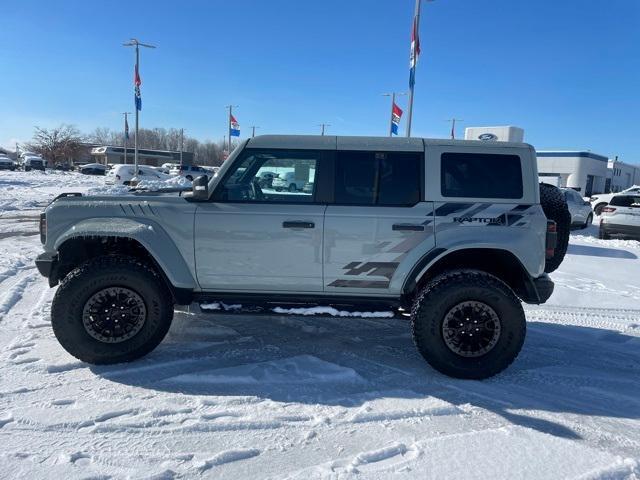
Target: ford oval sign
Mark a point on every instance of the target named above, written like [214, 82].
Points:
[487, 136]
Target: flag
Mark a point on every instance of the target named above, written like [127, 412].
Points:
[396, 113]
[234, 127]
[137, 82]
[414, 53]
[126, 128]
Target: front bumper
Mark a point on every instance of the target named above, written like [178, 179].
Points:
[47, 265]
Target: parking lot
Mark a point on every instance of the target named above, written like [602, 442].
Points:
[308, 397]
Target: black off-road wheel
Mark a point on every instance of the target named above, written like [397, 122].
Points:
[111, 309]
[468, 324]
[555, 208]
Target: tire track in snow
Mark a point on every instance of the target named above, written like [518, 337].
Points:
[14, 294]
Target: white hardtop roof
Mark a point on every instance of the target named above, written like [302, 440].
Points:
[333, 142]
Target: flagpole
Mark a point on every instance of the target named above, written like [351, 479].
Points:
[135, 133]
[415, 29]
[135, 43]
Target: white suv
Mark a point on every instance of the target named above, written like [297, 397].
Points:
[288, 181]
[601, 200]
[122, 174]
[621, 217]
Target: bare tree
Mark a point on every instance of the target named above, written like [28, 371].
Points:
[57, 144]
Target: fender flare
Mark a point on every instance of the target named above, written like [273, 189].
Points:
[149, 234]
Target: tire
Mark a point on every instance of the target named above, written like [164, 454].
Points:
[442, 296]
[116, 273]
[598, 208]
[555, 208]
[588, 221]
[189, 177]
[293, 188]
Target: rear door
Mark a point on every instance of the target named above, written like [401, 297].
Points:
[378, 221]
[249, 238]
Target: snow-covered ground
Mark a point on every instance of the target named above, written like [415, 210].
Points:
[228, 395]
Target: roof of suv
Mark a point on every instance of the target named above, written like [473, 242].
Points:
[331, 142]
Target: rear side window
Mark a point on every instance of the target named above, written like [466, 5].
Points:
[378, 178]
[481, 175]
[625, 201]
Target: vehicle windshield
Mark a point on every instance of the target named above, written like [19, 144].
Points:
[225, 166]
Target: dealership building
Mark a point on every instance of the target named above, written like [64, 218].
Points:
[155, 158]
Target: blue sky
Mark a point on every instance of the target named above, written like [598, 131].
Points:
[566, 71]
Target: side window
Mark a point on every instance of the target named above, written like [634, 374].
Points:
[271, 176]
[377, 178]
[481, 175]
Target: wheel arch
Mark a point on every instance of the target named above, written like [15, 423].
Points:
[498, 262]
[105, 236]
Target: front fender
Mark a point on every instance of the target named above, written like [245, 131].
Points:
[148, 233]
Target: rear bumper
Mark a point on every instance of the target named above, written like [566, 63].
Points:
[538, 290]
[47, 265]
[616, 229]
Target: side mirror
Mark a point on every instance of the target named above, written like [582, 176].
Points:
[200, 188]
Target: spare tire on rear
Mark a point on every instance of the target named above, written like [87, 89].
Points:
[555, 208]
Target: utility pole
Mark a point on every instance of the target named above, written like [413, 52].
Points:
[230, 107]
[253, 130]
[135, 43]
[393, 102]
[413, 60]
[126, 134]
[453, 126]
[322, 127]
[181, 145]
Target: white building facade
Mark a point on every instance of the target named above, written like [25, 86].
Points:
[621, 176]
[585, 172]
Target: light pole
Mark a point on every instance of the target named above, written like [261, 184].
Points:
[126, 134]
[453, 126]
[393, 102]
[253, 130]
[323, 126]
[181, 145]
[138, 101]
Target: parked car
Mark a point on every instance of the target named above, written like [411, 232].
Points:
[33, 163]
[93, 169]
[6, 163]
[265, 179]
[123, 174]
[164, 170]
[189, 171]
[601, 200]
[288, 181]
[580, 209]
[621, 217]
[367, 235]
[170, 166]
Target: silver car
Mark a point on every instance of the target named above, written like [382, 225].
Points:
[580, 209]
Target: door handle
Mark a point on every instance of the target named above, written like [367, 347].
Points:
[407, 227]
[297, 224]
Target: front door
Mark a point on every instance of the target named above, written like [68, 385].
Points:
[254, 238]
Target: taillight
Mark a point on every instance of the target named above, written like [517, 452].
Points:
[552, 238]
[43, 228]
[608, 209]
